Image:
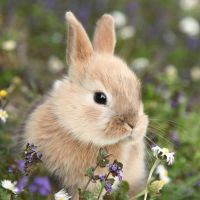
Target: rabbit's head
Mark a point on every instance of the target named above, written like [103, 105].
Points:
[100, 101]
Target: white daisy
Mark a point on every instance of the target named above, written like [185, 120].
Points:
[8, 185]
[3, 115]
[62, 195]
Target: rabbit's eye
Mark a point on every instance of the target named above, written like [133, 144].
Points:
[100, 98]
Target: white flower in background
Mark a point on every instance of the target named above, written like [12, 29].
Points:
[8, 185]
[163, 173]
[171, 71]
[9, 45]
[189, 26]
[189, 4]
[140, 63]
[195, 73]
[55, 65]
[3, 115]
[126, 32]
[62, 195]
[119, 18]
[164, 153]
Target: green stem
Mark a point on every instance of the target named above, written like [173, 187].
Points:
[150, 175]
[145, 191]
[89, 180]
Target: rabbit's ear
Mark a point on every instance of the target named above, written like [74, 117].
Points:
[79, 47]
[105, 37]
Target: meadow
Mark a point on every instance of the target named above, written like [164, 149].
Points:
[160, 40]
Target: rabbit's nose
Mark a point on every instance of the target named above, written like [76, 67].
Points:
[128, 121]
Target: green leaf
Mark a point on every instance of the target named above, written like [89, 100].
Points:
[90, 172]
[4, 195]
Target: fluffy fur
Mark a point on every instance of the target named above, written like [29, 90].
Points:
[69, 127]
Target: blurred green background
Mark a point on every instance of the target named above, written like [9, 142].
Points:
[159, 39]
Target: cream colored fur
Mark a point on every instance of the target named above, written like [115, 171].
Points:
[69, 127]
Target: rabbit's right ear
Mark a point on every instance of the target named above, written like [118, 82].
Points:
[79, 47]
[105, 36]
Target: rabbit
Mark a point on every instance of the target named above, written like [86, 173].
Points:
[97, 105]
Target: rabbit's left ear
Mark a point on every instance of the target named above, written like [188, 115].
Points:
[79, 47]
[105, 37]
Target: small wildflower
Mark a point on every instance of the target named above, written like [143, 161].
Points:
[156, 150]
[3, 93]
[31, 154]
[140, 63]
[127, 32]
[62, 195]
[119, 18]
[171, 71]
[55, 65]
[41, 185]
[195, 73]
[8, 185]
[189, 4]
[108, 187]
[9, 45]
[116, 169]
[22, 183]
[102, 177]
[163, 173]
[3, 115]
[170, 158]
[189, 26]
[164, 153]
[21, 165]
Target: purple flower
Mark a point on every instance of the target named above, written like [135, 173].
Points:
[113, 167]
[120, 175]
[102, 177]
[21, 165]
[116, 170]
[31, 154]
[108, 187]
[41, 185]
[22, 183]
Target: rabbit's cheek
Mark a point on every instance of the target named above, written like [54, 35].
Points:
[141, 127]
